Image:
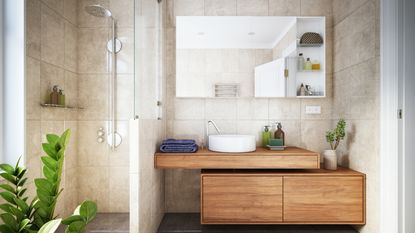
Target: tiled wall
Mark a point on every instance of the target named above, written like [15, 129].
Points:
[147, 183]
[186, 118]
[66, 46]
[356, 93]
[200, 69]
[103, 174]
[51, 40]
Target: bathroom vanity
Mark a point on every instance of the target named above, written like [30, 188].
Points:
[272, 187]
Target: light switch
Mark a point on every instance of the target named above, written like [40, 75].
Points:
[313, 109]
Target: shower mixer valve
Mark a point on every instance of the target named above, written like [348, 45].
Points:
[100, 134]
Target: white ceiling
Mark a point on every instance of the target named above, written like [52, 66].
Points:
[230, 31]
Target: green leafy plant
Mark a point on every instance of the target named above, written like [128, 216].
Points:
[39, 215]
[336, 135]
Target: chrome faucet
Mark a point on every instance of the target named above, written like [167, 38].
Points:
[214, 125]
[210, 122]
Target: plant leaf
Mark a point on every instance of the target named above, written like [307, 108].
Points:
[23, 224]
[49, 162]
[51, 226]
[52, 138]
[7, 188]
[73, 218]
[6, 229]
[7, 168]
[88, 210]
[44, 185]
[49, 150]
[76, 227]
[49, 174]
[22, 182]
[8, 177]
[9, 220]
[8, 196]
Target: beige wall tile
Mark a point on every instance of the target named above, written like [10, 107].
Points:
[363, 17]
[56, 5]
[33, 31]
[92, 50]
[33, 150]
[189, 109]
[252, 109]
[125, 58]
[92, 96]
[316, 7]
[91, 153]
[225, 109]
[284, 109]
[188, 7]
[220, 7]
[119, 198]
[70, 11]
[252, 7]
[284, 7]
[52, 37]
[263, 56]
[94, 186]
[71, 188]
[313, 134]
[32, 89]
[123, 11]
[252, 127]
[341, 8]
[71, 48]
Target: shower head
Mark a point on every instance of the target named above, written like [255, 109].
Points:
[98, 11]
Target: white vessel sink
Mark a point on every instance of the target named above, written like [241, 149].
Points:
[232, 143]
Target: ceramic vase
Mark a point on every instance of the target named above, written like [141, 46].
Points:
[330, 159]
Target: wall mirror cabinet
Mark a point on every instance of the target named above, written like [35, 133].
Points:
[250, 56]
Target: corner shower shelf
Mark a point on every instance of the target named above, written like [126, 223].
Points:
[59, 106]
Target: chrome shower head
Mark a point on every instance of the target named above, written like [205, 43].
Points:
[98, 11]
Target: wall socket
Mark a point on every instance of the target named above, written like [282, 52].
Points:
[313, 109]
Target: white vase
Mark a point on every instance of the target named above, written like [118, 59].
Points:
[330, 159]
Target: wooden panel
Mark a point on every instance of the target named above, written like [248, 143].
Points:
[291, 158]
[241, 199]
[324, 199]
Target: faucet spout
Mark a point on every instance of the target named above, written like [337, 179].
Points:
[214, 125]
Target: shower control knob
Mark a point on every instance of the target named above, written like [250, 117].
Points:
[101, 132]
[100, 139]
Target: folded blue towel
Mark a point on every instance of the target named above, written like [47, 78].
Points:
[171, 141]
[178, 146]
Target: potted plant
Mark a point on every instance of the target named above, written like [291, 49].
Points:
[19, 215]
[334, 137]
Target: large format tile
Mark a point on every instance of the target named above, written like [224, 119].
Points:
[70, 11]
[32, 89]
[33, 28]
[71, 47]
[284, 7]
[188, 7]
[220, 7]
[52, 37]
[92, 50]
[252, 7]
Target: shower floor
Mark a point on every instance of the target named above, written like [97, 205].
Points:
[108, 223]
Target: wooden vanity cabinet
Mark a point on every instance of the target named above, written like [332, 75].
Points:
[241, 199]
[282, 197]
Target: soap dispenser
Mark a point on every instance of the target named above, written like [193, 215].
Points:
[54, 95]
[279, 133]
[266, 136]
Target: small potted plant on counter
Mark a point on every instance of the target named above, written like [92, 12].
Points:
[334, 137]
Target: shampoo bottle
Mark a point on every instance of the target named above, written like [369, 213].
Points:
[308, 65]
[279, 134]
[266, 135]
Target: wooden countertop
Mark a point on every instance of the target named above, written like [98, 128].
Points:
[262, 158]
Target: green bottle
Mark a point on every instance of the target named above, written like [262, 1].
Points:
[266, 136]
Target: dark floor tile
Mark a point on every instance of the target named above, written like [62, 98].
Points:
[190, 223]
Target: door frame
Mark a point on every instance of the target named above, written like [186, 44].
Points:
[391, 71]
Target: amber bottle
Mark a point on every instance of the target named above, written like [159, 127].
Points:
[279, 133]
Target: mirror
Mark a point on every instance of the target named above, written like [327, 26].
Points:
[250, 56]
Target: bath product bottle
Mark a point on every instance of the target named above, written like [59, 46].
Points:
[54, 96]
[300, 63]
[315, 65]
[266, 135]
[61, 99]
[279, 134]
[302, 90]
[308, 65]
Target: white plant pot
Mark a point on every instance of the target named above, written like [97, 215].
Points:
[330, 159]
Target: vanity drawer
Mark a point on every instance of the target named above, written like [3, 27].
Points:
[239, 199]
[324, 199]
